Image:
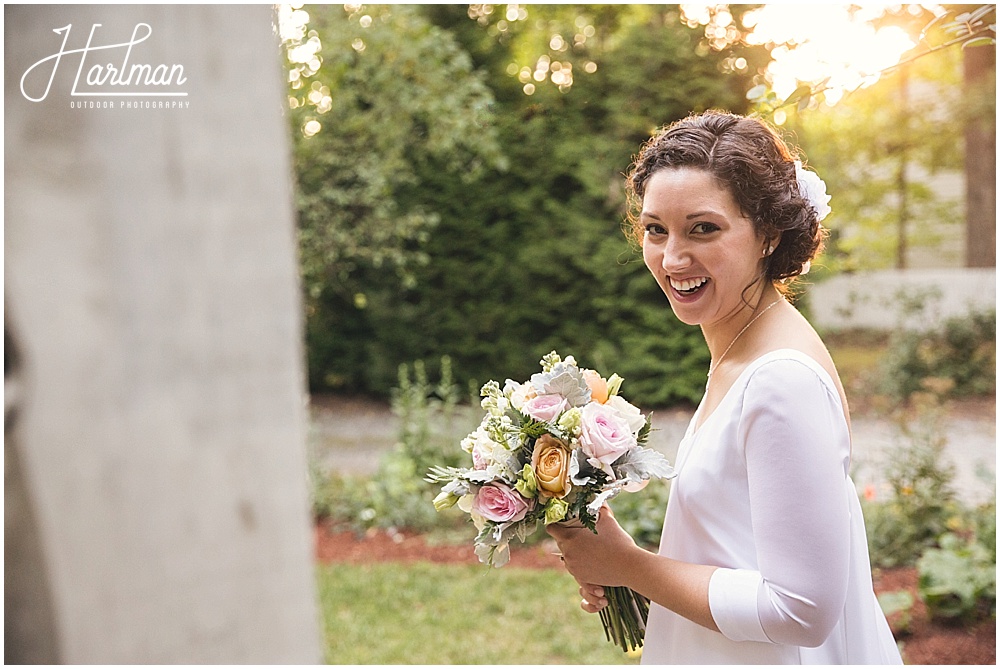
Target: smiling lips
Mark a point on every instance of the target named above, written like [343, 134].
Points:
[688, 286]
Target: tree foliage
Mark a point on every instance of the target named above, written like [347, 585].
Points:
[879, 149]
[525, 253]
[388, 90]
[881, 146]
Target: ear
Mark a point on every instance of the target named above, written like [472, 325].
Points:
[772, 244]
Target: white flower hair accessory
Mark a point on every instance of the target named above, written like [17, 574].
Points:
[813, 189]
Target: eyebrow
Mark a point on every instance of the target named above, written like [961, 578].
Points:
[697, 214]
[702, 213]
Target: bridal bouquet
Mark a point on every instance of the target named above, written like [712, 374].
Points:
[554, 449]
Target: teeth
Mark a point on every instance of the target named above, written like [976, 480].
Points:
[688, 285]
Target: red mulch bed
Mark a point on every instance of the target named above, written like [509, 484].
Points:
[931, 642]
[926, 642]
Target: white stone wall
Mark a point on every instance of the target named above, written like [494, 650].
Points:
[882, 300]
[151, 280]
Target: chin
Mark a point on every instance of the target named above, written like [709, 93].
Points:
[684, 315]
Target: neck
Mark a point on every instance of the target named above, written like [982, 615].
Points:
[721, 334]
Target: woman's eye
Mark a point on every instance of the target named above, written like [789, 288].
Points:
[654, 229]
[704, 228]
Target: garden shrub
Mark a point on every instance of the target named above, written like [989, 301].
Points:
[898, 603]
[396, 495]
[921, 501]
[955, 359]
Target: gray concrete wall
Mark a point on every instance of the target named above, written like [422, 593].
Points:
[151, 284]
[872, 300]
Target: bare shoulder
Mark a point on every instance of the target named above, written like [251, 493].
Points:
[792, 331]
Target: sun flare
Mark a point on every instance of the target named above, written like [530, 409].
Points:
[826, 41]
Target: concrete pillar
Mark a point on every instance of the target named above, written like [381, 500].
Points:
[151, 285]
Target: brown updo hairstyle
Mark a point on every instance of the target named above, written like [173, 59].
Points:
[748, 158]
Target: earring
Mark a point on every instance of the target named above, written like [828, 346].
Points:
[768, 251]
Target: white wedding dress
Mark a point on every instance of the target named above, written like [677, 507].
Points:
[764, 492]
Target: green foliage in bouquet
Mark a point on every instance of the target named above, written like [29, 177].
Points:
[554, 449]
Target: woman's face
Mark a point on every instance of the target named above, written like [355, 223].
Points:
[699, 246]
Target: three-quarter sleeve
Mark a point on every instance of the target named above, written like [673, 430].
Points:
[796, 445]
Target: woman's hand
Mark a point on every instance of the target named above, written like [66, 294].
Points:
[593, 598]
[601, 558]
[611, 558]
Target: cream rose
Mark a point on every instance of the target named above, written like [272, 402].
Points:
[518, 393]
[550, 460]
[629, 413]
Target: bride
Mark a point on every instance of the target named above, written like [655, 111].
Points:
[763, 557]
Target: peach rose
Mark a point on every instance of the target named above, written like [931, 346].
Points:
[598, 386]
[550, 460]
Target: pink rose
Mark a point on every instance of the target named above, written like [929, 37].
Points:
[545, 407]
[498, 503]
[605, 435]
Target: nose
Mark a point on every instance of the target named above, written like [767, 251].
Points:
[675, 255]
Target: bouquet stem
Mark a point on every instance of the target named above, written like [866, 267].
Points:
[624, 617]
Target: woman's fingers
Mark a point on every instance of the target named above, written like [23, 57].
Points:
[593, 598]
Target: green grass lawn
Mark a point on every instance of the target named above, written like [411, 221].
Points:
[424, 613]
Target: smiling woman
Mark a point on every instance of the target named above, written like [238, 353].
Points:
[733, 173]
[763, 556]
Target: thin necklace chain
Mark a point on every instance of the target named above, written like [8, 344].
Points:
[746, 327]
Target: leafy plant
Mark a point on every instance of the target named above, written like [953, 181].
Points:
[897, 604]
[499, 264]
[396, 496]
[426, 413]
[922, 500]
[958, 579]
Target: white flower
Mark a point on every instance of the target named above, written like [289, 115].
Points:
[627, 412]
[518, 393]
[563, 379]
[813, 189]
[465, 504]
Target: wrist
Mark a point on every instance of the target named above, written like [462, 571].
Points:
[640, 562]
